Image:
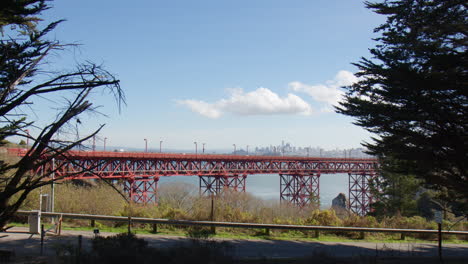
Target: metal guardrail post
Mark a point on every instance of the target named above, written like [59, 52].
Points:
[362, 235]
[59, 226]
[129, 224]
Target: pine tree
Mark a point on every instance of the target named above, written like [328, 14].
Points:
[395, 191]
[412, 92]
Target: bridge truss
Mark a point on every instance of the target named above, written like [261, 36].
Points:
[300, 190]
[299, 176]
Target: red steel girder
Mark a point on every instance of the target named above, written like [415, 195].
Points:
[300, 190]
[85, 167]
[215, 185]
[142, 190]
[137, 166]
[360, 196]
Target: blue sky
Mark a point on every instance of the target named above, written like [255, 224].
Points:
[248, 72]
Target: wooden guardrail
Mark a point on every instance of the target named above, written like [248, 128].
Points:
[239, 225]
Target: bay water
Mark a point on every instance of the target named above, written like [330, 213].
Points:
[267, 186]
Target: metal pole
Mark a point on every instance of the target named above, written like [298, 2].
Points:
[234, 148]
[212, 216]
[247, 149]
[203, 148]
[40, 190]
[349, 193]
[105, 139]
[52, 187]
[160, 146]
[146, 145]
[440, 242]
[196, 147]
[94, 143]
[78, 254]
[42, 239]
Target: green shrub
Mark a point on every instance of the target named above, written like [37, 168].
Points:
[360, 221]
[177, 214]
[323, 218]
[415, 222]
[99, 199]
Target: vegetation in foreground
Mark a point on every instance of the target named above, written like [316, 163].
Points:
[411, 93]
[29, 73]
[181, 201]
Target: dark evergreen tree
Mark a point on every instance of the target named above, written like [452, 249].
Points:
[396, 192]
[21, 13]
[24, 77]
[412, 92]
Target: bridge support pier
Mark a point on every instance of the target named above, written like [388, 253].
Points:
[300, 190]
[142, 190]
[360, 196]
[215, 185]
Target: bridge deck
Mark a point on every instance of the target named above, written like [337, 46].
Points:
[90, 164]
[299, 176]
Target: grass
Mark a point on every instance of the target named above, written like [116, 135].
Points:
[255, 234]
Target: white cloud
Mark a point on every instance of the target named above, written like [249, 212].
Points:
[265, 102]
[329, 92]
[259, 102]
[201, 108]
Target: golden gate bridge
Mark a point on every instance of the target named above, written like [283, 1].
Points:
[141, 171]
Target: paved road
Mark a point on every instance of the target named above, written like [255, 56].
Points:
[25, 244]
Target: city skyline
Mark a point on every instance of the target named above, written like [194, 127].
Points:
[285, 149]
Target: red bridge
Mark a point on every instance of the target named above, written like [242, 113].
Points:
[299, 176]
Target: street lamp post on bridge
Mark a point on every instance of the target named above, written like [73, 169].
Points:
[234, 148]
[203, 151]
[160, 146]
[146, 144]
[196, 151]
